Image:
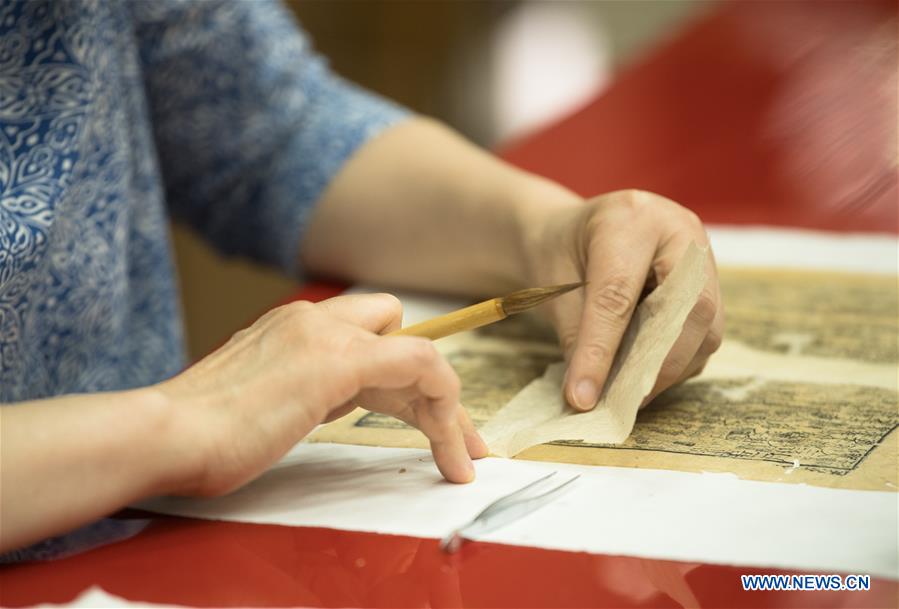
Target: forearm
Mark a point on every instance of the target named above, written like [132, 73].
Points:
[421, 207]
[69, 460]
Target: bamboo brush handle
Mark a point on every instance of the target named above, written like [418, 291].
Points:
[468, 318]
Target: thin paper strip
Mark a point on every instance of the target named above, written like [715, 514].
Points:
[539, 413]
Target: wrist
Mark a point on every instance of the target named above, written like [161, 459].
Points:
[542, 209]
[173, 461]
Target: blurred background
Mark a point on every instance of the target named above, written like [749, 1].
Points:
[493, 69]
[776, 112]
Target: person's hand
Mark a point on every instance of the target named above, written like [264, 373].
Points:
[245, 405]
[621, 243]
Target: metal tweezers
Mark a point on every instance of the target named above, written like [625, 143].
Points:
[506, 509]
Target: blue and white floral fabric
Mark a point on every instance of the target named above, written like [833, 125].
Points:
[114, 115]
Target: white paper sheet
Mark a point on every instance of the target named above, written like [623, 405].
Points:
[96, 598]
[762, 246]
[712, 518]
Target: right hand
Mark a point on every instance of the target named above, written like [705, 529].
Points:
[246, 404]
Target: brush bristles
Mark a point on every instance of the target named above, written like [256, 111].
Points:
[523, 300]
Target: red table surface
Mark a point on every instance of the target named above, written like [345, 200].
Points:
[205, 563]
[778, 113]
[693, 122]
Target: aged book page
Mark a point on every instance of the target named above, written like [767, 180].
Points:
[803, 390]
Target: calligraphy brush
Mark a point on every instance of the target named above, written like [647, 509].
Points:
[484, 313]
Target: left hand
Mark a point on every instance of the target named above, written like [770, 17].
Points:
[620, 243]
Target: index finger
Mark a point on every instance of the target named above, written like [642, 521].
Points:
[617, 268]
[378, 313]
[401, 362]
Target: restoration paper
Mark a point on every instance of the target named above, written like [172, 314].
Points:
[539, 414]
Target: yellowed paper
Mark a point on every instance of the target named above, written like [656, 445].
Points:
[540, 414]
[803, 390]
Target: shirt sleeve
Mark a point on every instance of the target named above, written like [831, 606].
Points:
[249, 122]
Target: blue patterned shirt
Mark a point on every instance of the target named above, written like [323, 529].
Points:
[116, 115]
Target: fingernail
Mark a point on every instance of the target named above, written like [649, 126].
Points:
[585, 394]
